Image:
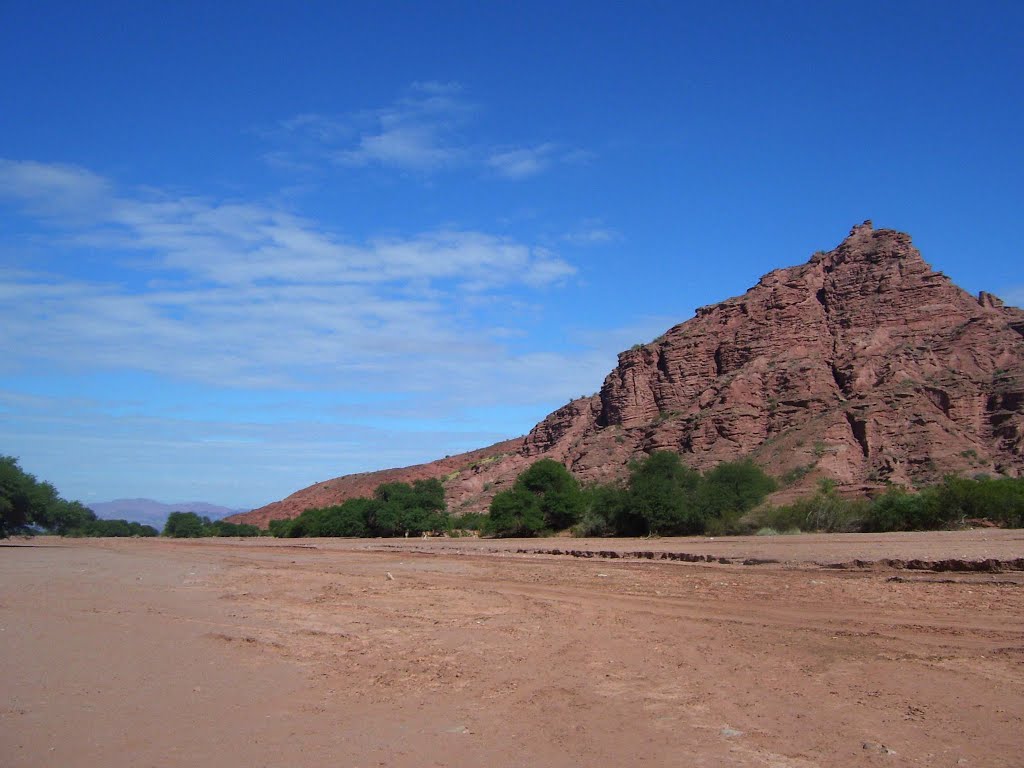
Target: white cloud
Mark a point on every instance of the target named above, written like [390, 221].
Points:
[592, 232]
[413, 147]
[422, 132]
[48, 189]
[229, 292]
[388, 350]
[418, 132]
[523, 162]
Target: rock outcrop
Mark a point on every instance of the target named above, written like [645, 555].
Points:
[863, 365]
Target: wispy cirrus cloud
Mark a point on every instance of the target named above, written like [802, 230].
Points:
[592, 232]
[424, 131]
[219, 291]
[521, 163]
[418, 132]
[524, 162]
[144, 328]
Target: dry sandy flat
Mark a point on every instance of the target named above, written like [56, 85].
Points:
[467, 653]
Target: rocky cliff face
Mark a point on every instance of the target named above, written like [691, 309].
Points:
[863, 365]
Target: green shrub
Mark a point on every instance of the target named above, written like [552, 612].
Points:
[28, 505]
[469, 521]
[348, 519]
[404, 509]
[796, 474]
[949, 504]
[112, 528]
[729, 490]
[782, 518]
[279, 528]
[515, 512]
[826, 511]
[606, 512]
[662, 493]
[186, 525]
[396, 509]
[224, 528]
[557, 492]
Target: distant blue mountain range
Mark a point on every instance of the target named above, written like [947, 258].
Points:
[150, 512]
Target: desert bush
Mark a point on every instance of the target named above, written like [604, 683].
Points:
[545, 497]
[112, 528]
[28, 505]
[732, 488]
[402, 509]
[515, 512]
[396, 509]
[348, 519]
[998, 499]
[949, 504]
[606, 512]
[592, 526]
[662, 493]
[782, 518]
[186, 525]
[279, 528]
[224, 528]
[468, 521]
[556, 490]
[826, 511]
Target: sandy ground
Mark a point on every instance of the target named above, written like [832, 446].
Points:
[470, 653]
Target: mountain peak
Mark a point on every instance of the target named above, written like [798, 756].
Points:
[862, 365]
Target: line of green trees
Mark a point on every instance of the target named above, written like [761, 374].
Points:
[189, 525]
[396, 509]
[29, 506]
[954, 502]
[662, 497]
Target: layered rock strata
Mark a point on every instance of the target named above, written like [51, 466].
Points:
[863, 365]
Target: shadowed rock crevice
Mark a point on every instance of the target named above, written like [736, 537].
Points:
[859, 429]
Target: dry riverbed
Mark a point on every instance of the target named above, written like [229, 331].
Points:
[462, 652]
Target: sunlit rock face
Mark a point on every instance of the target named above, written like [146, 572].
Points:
[863, 365]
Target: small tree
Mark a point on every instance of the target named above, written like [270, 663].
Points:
[69, 516]
[18, 502]
[729, 490]
[606, 512]
[557, 492]
[279, 528]
[347, 519]
[403, 508]
[27, 504]
[224, 528]
[661, 492]
[185, 525]
[515, 513]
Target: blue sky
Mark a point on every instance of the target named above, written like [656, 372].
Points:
[245, 247]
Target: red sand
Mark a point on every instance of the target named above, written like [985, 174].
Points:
[463, 653]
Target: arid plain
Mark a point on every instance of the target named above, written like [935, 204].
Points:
[466, 652]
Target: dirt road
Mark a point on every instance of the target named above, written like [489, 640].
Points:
[470, 653]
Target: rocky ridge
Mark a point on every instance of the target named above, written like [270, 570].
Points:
[863, 365]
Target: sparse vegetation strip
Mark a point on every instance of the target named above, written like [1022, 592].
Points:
[663, 497]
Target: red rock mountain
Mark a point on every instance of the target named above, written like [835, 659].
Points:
[863, 365]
